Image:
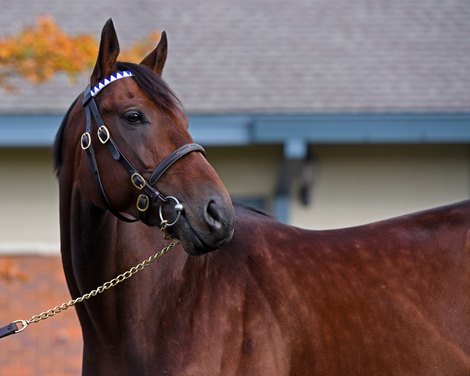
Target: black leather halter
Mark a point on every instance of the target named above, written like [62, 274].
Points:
[147, 188]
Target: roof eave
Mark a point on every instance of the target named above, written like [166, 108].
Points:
[245, 129]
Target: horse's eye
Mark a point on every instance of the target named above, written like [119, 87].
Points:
[133, 117]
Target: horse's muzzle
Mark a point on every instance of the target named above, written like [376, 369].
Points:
[213, 229]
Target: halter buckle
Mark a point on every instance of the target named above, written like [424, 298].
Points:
[138, 181]
[103, 134]
[85, 140]
[142, 203]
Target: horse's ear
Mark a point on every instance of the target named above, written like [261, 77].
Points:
[108, 53]
[156, 59]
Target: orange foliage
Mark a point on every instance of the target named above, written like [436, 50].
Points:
[40, 51]
[141, 48]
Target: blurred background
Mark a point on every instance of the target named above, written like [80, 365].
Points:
[324, 113]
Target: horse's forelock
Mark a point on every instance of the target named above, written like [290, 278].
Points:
[153, 86]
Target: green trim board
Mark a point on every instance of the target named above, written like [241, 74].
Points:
[232, 129]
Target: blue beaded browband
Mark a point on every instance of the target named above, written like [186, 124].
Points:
[111, 78]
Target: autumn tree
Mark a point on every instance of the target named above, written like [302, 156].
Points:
[40, 51]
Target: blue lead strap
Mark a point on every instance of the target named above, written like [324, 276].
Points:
[8, 330]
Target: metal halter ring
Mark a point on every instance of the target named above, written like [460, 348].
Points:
[24, 324]
[178, 208]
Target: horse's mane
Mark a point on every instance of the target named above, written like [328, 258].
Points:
[148, 81]
[250, 209]
[57, 147]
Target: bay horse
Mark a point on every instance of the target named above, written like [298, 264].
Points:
[244, 294]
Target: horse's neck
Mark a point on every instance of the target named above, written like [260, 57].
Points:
[96, 247]
[93, 236]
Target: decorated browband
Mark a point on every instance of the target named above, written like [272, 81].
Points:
[111, 78]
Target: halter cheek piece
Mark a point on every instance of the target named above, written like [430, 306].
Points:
[147, 188]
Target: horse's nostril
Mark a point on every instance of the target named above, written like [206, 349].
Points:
[213, 215]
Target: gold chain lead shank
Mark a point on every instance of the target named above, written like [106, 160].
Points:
[99, 290]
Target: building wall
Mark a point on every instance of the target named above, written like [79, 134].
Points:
[248, 172]
[353, 185]
[29, 200]
[360, 184]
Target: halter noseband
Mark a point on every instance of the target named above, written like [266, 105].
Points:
[147, 188]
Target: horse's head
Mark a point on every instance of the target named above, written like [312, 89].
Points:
[134, 156]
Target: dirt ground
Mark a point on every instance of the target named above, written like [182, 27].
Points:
[30, 285]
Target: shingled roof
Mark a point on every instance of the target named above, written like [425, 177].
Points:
[297, 56]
